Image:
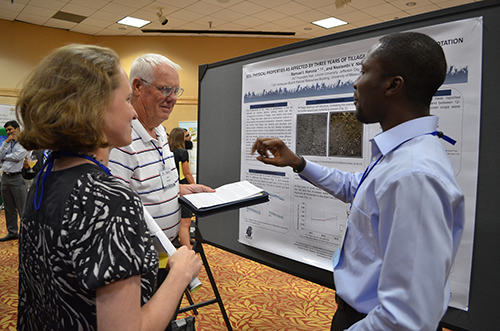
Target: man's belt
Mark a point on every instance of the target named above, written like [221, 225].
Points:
[11, 174]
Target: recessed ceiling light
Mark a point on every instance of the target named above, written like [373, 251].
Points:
[137, 22]
[411, 4]
[330, 22]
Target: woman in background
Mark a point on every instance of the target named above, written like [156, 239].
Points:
[86, 258]
[181, 156]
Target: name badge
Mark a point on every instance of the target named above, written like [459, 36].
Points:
[167, 177]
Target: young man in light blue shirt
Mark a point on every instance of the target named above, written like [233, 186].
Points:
[407, 210]
[14, 191]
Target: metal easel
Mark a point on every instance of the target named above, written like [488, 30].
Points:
[198, 248]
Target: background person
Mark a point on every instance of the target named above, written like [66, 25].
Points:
[30, 174]
[12, 156]
[86, 258]
[176, 141]
[407, 210]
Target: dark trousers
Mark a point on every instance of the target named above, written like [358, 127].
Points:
[14, 197]
[346, 316]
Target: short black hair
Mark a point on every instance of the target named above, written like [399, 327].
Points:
[417, 58]
[12, 123]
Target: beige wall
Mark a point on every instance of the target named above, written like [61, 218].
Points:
[23, 45]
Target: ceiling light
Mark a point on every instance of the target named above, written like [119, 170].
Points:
[411, 4]
[161, 17]
[329, 23]
[137, 22]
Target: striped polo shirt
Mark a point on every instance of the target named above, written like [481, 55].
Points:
[138, 166]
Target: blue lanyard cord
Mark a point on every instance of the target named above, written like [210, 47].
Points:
[50, 163]
[12, 144]
[365, 174]
[440, 134]
[84, 156]
[44, 175]
[161, 153]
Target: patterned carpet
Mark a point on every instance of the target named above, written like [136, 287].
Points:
[256, 297]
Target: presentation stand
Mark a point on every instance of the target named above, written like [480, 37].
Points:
[198, 248]
[219, 145]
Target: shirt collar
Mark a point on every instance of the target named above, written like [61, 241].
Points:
[388, 140]
[141, 131]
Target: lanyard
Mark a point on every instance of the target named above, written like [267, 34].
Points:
[439, 134]
[50, 163]
[12, 144]
[365, 174]
[160, 152]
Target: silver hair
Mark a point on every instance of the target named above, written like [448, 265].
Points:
[144, 66]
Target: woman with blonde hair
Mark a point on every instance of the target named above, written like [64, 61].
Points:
[86, 257]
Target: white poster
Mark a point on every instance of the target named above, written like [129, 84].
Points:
[306, 99]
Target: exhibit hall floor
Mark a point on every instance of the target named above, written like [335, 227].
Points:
[256, 297]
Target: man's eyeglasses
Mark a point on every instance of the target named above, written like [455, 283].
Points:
[167, 90]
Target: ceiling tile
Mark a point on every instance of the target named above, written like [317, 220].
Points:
[60, 24]
[96, 4]
[363, 4]
[117, 9]
[248, 21]
[289, 22]
[133, 3]
[79, 10]
[107, 16]
[33, 19]
[390, 17]
[384, 9]
[312, 15]
[422, 9]
[247, 8]
[269, 15]
[268, 3]
[292, 8]
[401, 4]
[96, 23]
[314, 3]
[186, 15]
[228, 14]
[354, 17]
[175, 3]
[453, 3]
[50, 4]
[331, 10]
[203, 8]
[8, 14]
[86, 29]
[49, 12]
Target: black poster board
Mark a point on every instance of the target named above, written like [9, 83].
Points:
[219, 145]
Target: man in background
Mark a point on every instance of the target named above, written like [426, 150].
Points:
[14, 191]
[407, 210]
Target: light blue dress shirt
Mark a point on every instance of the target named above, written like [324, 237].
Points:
[403, 231]
[12, 156]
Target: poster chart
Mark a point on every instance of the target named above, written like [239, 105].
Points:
[306, 99]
